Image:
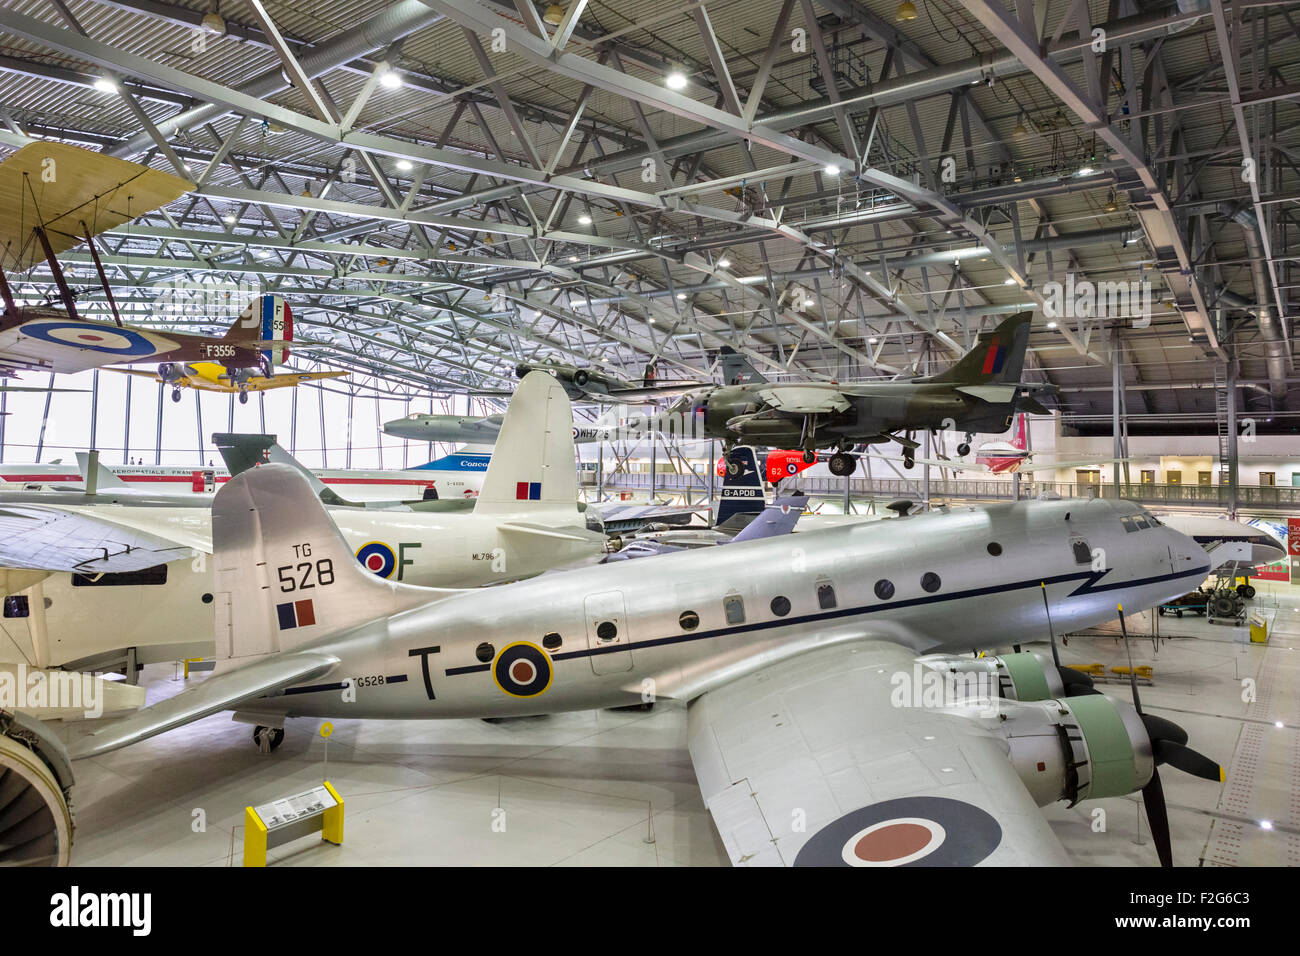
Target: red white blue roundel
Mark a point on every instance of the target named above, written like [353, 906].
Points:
[910, 831]
[377, 558]
[522, 669]
[94, 338]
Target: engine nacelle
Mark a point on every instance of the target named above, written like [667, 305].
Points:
[1020, 676]
[1081, 748]
[35, 783]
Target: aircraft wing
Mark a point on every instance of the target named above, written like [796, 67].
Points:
[65, 345]
[97, 539]
[808, 763]
[285, 379]
[650, 393]
[574, 533]
[219, 692]
[804, 399]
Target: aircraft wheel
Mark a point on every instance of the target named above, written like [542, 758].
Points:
[842, 465]
[267, 738]
[176, 394]
[243, 398]
[809, 457]
[908, 461]
[1178, 613]
[733, 468]
[1160, 611]
[963, 449]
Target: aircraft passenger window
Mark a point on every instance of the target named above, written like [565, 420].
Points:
[551, 641]
[825, 596]
[930, 582]
[780, 606]
[734, 607]
[1082, 553]
[16, 606]
[994, 548]
[485, 652]
[884, 589]
[606, 630]
[207, 598]
[689, 620]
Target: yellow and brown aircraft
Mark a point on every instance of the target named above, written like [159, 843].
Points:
[215, 377]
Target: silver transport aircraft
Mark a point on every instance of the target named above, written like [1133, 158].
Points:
[790, 653]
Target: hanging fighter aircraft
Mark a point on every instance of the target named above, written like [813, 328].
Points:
[791, 668]
[54, 196]
[591, 384]
[419, 426]
[978, 394]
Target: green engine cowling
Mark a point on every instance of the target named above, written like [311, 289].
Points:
[1079, 748]
[1019, 676]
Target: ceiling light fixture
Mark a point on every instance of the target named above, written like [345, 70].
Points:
[1021, 129]
[1112, 204]
[724, 263]
[1008, 281]
[105, 85]
[229, 217]
[389, 79]
[1086, 171]
[584, 220]
[832, 170]
[675, 80]
[906, 11]
[213, 22]
[404, 164]
[681, 295]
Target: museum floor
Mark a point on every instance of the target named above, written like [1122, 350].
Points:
[588, 788]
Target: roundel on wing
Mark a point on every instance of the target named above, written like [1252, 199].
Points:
[909, 831]
[522, 669]
[94, 338]
[377, 558]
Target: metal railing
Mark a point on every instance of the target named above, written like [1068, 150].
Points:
[1207, 496]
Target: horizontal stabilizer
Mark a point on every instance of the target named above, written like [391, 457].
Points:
[544, 531]
[1032, 405]
[777, 519]
[103, 479]
[993, 394]
[219, 692]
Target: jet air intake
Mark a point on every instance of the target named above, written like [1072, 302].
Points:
[35, 780]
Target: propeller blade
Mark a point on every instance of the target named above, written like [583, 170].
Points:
[1056, 657]
[1158, 728]
[1076, 682]
[1187, 760]
[1132, 674]
[1153, 798]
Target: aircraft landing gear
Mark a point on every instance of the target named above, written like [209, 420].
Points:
[964, 447]
[267, 738]
[809, 457]
[176, 394]
[842, 465]
[243, 398]
[909, 460]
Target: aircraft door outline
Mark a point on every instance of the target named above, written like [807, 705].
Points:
[607, 633]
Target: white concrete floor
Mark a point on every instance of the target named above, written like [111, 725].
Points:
[585, 788]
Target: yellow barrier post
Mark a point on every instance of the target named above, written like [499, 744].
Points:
[254, 838]
[332, 819]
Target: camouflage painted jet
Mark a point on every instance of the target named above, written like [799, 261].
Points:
[979, 394]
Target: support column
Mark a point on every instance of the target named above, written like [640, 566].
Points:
[1232, 433]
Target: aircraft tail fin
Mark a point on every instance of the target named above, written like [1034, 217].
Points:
[742, 486]
[270, 319]
[1020, 441]
[284, 575]
[102, 479]
[777, 519]
[243, 452]
[471, 458]
[736, 369]
[533, 463]
[997, 358]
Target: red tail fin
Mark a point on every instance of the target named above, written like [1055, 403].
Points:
[1019, 440]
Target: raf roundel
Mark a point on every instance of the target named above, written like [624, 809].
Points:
[377, 558]
[910, 831]
[522, 669]
[94, 338]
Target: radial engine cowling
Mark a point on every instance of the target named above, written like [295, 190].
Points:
[1021, 676]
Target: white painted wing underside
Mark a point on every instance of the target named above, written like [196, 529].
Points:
[815, 738]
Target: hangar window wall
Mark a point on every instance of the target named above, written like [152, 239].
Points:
[133, 418]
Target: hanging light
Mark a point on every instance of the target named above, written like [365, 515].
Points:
[676, 79]
[1111, 204]
[105, 85]
[906, 11]
[389, 78]
[1021, 129]
[554, 14]
[213, 23]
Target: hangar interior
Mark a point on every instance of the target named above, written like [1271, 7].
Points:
[445, 194]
